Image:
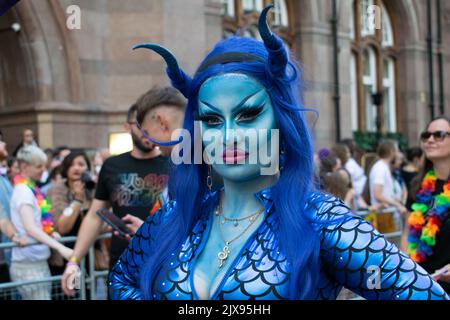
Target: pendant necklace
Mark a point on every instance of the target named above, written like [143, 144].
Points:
[223, 255]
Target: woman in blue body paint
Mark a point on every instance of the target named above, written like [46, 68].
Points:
[261, 236]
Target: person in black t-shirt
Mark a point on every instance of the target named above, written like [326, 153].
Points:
[436, 146]
[131, 183]
[129, 191]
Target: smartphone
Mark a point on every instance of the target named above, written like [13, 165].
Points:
[115, 222]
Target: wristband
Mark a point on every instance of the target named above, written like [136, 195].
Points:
[75, 260]
[70, 263]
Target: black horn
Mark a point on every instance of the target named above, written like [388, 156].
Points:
[278, 56]
[179, 78]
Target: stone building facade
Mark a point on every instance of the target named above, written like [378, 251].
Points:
[74, 86]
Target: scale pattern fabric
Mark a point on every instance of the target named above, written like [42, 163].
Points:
[350, 247]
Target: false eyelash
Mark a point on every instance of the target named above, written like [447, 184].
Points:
[206, 117]
[251, 112]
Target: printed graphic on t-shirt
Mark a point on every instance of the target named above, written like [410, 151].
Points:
[134, 191]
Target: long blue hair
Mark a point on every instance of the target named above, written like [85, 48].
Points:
[297, 235]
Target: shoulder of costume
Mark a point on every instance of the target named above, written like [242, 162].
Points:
[326, 208]
[163, 213]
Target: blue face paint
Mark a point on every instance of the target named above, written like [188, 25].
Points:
[236, 102]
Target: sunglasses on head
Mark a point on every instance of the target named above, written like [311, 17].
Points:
[437, 135]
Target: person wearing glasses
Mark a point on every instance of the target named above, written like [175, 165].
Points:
[131, 182]
[429, 223]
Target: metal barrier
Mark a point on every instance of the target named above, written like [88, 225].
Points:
[8, 290]
[396, 219]
[394, 237]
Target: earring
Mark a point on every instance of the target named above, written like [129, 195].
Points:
[209, 179]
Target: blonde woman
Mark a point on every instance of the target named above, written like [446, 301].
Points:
[31, 216]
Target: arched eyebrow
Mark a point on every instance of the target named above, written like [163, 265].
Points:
[239, 105]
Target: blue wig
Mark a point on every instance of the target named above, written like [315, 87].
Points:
[269, 63]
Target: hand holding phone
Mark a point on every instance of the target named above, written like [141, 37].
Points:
[115, 222]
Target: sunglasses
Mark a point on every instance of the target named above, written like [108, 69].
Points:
[437, 135]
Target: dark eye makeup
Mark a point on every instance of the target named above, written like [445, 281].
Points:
[246, 114]
[249, 113]
[210, 119]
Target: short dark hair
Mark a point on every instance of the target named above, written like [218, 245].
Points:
[157, 96]
[350, 143]
[58, 150]
[340, 150]
[413, 152]
[386, 148]
[334, 183]
[327, 163]
[55, 171]
[131, 111]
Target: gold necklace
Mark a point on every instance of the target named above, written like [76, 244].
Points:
[223, 255]
[236, 221]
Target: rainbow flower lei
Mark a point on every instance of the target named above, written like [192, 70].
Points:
[427, 217]
[43, 203]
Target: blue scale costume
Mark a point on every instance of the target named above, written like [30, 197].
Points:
[348, 250]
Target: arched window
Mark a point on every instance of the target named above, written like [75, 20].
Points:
[373, 69]
[365, 9]
[387, 34]
[242, 16]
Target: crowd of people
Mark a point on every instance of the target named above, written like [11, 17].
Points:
[36, 187]
[220, 231]
[392, 179]
[384, 182]
[77, 186]
[277, 236]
